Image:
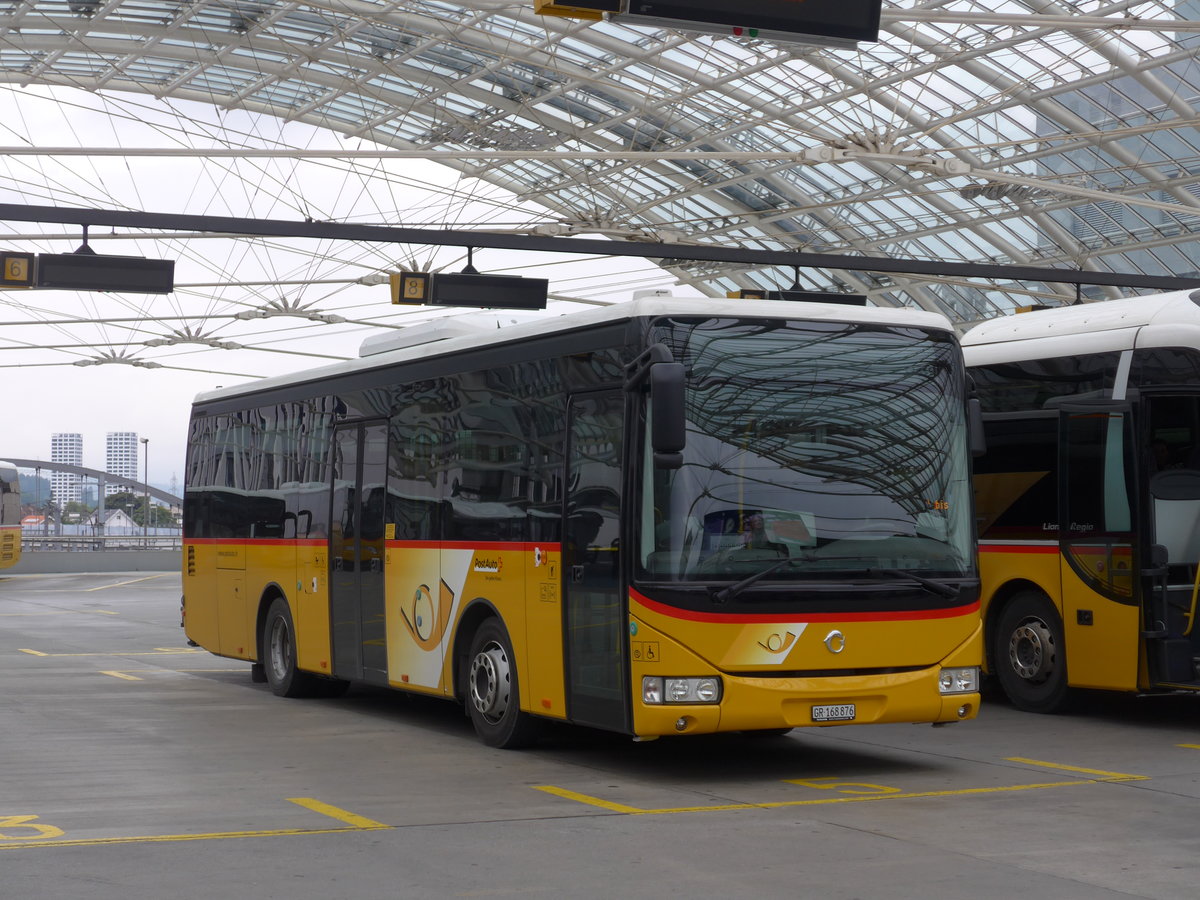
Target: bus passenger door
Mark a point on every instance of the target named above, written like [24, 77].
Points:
[1173, 486]
[594, 608]
[1101, 584]
[356, 552]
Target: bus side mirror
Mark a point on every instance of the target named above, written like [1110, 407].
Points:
[668, 430]
[975, 427]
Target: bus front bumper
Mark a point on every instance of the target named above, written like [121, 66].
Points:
[751, 703]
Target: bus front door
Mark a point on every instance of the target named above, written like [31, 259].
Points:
[1173, 486]
[594, 611]
[356, 552]
[1101, 584]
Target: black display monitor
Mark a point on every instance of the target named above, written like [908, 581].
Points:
[94, 272]
[848, 20]
[488, 291]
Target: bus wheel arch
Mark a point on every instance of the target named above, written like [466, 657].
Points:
[1028, 652]
[999, 602]
[277, 647]
[487, 681]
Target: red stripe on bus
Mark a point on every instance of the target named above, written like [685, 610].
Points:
[261, 542]
[904, 615]
[469, 545]
[442, 545]
[1018, 548]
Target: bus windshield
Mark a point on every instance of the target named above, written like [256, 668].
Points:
[838, 447]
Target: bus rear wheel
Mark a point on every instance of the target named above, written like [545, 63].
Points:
[492, 692]
[278, 654]
[1029, 656]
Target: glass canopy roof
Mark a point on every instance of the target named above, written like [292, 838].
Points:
[1052, 134]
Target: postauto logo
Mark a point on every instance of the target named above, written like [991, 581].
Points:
[488, 564]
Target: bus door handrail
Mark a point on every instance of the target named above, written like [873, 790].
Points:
[1191, 613]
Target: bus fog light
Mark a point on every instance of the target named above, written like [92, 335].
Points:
[707, 690]
[652, 690]
[681, 690]
[678, 690]
[959, 681]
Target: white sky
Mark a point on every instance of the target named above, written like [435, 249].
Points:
[43, 333]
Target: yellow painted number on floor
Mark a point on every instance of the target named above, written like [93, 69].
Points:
[844, 787]
[9, 824]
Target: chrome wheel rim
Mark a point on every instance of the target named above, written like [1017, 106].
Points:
[280, 649]
[490, 682]
[1031, 651]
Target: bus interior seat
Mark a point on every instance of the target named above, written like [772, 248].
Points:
[1176, 497]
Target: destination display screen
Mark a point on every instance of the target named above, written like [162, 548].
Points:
[851, 19]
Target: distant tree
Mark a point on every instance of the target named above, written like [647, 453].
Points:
[129, 503]
[77, 508]
[33, 488]
[134, 506]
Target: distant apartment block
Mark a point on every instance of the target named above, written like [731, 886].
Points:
[66, 447]
[121, 459]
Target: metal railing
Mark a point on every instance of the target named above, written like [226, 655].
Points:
[92, 543]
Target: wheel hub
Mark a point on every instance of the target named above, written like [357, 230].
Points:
[490, 682]
[1031, 651]
[280, 649]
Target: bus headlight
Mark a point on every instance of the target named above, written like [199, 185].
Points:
[657, 691]
[959, 681]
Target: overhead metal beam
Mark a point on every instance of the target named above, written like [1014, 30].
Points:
[99, 474]
[592, 247]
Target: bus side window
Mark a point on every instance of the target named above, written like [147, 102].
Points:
[1176, 497]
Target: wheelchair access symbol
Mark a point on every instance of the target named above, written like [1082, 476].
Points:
[644, 651]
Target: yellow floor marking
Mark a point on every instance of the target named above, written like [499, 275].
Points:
[1103, 776]
[167, 838]
[335, 813]
[26, 822]
[116, 673]
[1189, 746]
[584, 798]
[105, 587]
[160, 651]
[821, 801]
[354, 823]
[63, 612]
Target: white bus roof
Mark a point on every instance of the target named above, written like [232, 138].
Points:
[483, 328]
[1130, 314]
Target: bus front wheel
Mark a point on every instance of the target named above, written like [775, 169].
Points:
[1029, 655]
[492, 693]
[278, 654]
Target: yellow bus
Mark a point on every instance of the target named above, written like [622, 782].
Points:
[1089, 497]
[670, 516]
[10, 516]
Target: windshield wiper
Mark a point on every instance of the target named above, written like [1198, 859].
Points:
[943, 590]
[732, 590]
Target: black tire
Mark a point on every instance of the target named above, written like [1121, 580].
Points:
[1029, 656]
[277, 652]
[491, 692]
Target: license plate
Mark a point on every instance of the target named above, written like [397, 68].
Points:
[835, 712]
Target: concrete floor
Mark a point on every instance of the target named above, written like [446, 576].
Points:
[134, 767]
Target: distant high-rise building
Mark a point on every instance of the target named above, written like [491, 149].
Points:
[121, 459]
[66, 448]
